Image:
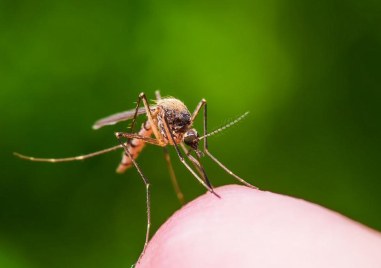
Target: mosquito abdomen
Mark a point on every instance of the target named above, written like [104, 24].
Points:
[135, 146]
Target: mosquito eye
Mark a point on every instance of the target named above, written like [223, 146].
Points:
[189, 139]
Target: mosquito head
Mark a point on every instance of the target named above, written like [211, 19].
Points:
[191, 138]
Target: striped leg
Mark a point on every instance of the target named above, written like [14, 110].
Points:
[68, 159]
[130, 136]
[148, 196]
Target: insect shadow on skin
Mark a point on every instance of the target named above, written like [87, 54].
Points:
[170, 123]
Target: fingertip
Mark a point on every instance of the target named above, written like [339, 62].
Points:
[198, 225]
[247, 227]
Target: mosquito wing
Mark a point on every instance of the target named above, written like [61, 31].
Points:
[115, 118]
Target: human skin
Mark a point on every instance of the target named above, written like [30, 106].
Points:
[253, 228]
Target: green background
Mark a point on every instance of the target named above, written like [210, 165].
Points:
[308, 71]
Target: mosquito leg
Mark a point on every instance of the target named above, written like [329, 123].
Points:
[200, 169]
[229, 171]
[155, 130]
[68, 159]
[198, 108]
[148, 196]
[172, 174]
[136, 114]
[176, 186]
[206, 150]
[119, 135]
[193, 173]
[197, 164]
[210, 189]
[130, 136]
[142, 97]
[143, 135]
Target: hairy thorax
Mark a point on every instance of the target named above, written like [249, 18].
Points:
[178, 118]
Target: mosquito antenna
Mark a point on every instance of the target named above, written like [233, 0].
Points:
[224, 127]
[68, 159]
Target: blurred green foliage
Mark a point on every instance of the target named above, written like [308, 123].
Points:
[309, 72]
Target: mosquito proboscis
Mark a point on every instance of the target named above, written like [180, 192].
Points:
[169, 123]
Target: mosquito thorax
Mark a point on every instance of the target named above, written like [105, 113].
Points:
[176, 114]
[191, 138]
[178, 120]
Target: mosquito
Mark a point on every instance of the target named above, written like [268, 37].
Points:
[169, 122]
